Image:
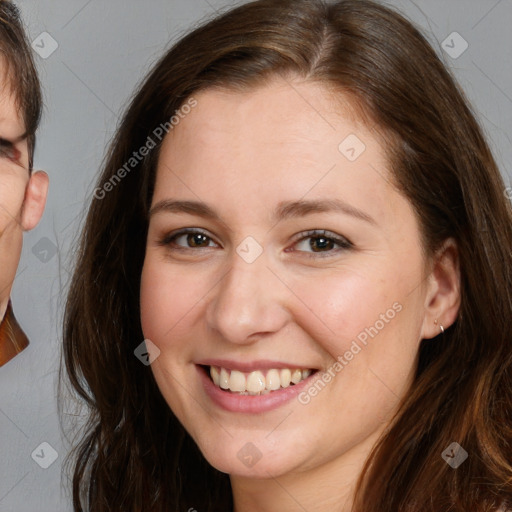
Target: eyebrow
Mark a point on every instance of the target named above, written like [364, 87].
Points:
[285, 209]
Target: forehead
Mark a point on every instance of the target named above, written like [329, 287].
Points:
[11, 117]
[281, 102]
[272, 117]
[278, 142]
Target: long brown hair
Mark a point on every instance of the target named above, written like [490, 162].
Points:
[20, 71]
[134, 454]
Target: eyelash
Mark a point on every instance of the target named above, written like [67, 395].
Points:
[315, 233]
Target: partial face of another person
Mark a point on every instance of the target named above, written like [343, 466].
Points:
[22, 197]
[278, 249]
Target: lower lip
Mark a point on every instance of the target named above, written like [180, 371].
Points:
[254, 404]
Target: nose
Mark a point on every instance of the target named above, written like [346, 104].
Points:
[249, 302]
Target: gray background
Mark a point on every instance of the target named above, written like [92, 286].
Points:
[104, 50]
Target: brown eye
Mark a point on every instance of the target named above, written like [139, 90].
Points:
[196, 239]
[192, 238]
[322, 243]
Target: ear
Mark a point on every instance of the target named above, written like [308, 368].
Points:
[34, 201]
[442, 300]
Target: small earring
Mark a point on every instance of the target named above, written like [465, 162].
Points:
[440, 326]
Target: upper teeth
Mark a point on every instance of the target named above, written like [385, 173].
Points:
[256, 383]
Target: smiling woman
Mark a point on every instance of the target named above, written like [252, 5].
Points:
[306, 268]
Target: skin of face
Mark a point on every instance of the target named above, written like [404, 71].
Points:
[243, 154]
[22, 197]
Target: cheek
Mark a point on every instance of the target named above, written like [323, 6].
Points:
[168, 297]
[340, 306]
[12, 191]
[369, 324]
[167, 300]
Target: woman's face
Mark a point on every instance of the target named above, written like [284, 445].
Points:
[301, 256]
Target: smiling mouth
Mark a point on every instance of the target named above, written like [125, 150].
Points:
[257, 382]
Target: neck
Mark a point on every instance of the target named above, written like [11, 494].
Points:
[329, 486]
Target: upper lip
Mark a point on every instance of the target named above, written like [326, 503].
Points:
[250, 366]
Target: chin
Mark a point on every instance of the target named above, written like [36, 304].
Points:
[251, 456]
